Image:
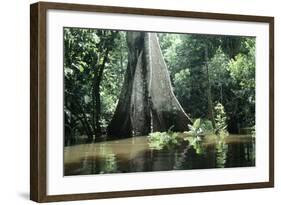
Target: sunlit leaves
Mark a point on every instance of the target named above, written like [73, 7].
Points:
[242, 70]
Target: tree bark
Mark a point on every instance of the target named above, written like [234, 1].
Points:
[121, 125]
[147, 102]
[166, 112]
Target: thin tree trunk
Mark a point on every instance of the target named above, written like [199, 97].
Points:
[83, 120]
[94, 84]
[97, 107]
[96, 94]
[209, 91]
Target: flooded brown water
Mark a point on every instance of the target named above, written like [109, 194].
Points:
[135, 155]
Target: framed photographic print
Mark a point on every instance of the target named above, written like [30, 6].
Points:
[134, 102]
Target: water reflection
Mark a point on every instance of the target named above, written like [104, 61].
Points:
[221, 152]
[134, 155]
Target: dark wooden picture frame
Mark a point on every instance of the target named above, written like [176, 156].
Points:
[38, 102]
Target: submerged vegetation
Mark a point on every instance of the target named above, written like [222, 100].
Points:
[200, 128]
[160, 140]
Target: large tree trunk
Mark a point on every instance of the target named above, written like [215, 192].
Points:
[121, 123]
[139, 108]
[147, 102]
[166, 111]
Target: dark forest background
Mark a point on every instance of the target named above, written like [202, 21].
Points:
[205, 70]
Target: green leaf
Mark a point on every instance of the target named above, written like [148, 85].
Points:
[197, 123]
[81, 68]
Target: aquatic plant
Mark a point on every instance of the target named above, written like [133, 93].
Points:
[200, 128]
[160, 140]
[197, 145]
[220, 119]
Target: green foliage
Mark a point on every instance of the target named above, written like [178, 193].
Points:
[160, 140]
[242, 72]
[113, 78]
[182, 84]
[242, 68]
[169, 44]
[200, 128]
[90, 56]
[231, 65]
[197, 144]
[220, 79]
[220, 119]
